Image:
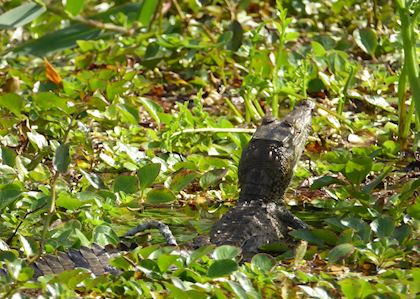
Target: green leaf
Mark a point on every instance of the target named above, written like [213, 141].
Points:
[366, 39]
[357, 169]
[325, 181]
[148, 174]
[159, 196]
[262, 262]
[12, 102]
[8, 156]
[147, 11]
[212, 177]
[373, 184]
[340, 252]
[182, 180]
[48, 101]
[67, 201]
[226, 252]
[8, 194]
[414, 210]
[104, 235]
[354, 288]
[326, 235]
[21, 15]
[152, 108]
[166, 260]
[62, 158]
[149, 266]
[39, 141]
[383, 226]
[306, 235]
[199, 253]
[93, 179]
[222, 268]
[74, 7]
[237, 36]
[125, 183]
[29, 247]
[67, 37]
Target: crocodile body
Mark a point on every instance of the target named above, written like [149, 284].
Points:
[265, 171]
[259, 218]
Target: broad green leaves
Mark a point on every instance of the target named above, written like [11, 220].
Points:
[21, 15]
[147, 11]
[125, 183]
[147, 174]
[12, 102]
[62, 158]
[367, 40]
[222, 268]
[74, 7]
[158, 196]
[340, 252]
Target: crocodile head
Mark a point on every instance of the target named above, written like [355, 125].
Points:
[267, 164]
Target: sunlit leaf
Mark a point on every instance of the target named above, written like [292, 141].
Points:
[222, 268]
[263, 262]
[12, 102]
[147, 11]
[104, 235]
[383, 226]
[28, 247]
[159, 196]
[148, 174]
[94, 179]
[67, 201]
[325, 181]
[125, 183]
[74, 7]
[152, 108]
[226, 252]
[212, 177]
[366, 39]
[182, 180]
[8, 156]
[21, 15]
[62, 158]
[340, 252]
[38, 140]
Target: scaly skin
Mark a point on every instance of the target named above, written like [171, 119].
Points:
[260, 217]
[265, 171]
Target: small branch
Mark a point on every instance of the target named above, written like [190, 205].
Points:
[9, 240]
[51, 208]
[163, 228]
[179, 10]
[90, 22]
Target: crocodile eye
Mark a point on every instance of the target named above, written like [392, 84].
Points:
[268, 119]
[287, 124]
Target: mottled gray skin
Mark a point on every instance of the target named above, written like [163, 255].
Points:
[265, 171]
[260, 216]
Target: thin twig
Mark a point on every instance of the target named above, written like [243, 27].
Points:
[90, 22]
[9, 240]
[179, 10]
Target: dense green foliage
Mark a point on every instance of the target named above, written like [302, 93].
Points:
[113, 113]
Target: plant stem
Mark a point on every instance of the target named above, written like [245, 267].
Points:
[410, 59]
[90, 22]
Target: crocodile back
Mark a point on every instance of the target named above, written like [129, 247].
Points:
[267, 164]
